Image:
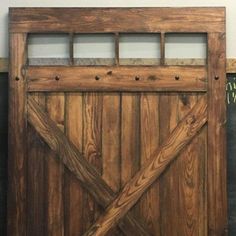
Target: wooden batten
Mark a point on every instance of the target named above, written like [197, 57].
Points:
[105, 20]
[124, 78]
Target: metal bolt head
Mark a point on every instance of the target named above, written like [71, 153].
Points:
[177, 77]
[57, 77]
[17, 78]
[137, 78]
[217, 77]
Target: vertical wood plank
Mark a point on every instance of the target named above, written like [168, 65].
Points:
[169, 195]
[162, 48]
[36, 180]
[55, 171]
[130, 138]
[17, 160]
[217, 199]
[73, 189]
[149, 123]
[111, 143]
[111, 140]
[71, 48]
[92, 126]
[191, 174]
[117, 49]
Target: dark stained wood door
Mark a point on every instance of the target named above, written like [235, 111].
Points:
[117, 150]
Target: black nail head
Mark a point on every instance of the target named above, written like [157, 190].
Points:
[176, 77]
[137, 78]
[96, 77]
[216, 77]
[57, 78]
[17, 78]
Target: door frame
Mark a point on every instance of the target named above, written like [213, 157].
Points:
[211, 21]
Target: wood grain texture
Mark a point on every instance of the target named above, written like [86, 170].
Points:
[73, 190]
[169, 182]
[117, 78]
[153, 124]
[55, 106]
[111, 140]
[111, 148]
[77, 164]
[201, 19]
[133, 190]
[36, 179]
[92, 149]
[149, 141]
[217, 199]
[130, 139]
[192, 174]
[17, 145]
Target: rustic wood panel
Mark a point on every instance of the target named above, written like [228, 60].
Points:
[124, 137]
[78, 164]
[111, 140]
[181, 135]
[92, 148]
[111, 148]
[169, 182]
[183, 200]
[191, 172]
[149, 141]
[217, 199]
[73, 191]
[130, 139]
[102, 20]
[125, 78]
[36, 179]
[55, 106]
[17, 161]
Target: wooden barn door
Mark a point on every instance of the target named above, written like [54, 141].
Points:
[117, 150]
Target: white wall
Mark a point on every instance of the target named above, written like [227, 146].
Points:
[229, 4]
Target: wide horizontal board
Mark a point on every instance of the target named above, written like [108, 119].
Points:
[114, 78]
[101, 20]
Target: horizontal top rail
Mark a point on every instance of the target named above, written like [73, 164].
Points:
[124, 78]
[101, 20]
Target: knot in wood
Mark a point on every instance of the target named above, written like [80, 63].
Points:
[191, 120]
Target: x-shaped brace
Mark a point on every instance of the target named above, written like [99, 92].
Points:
[117, 207]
